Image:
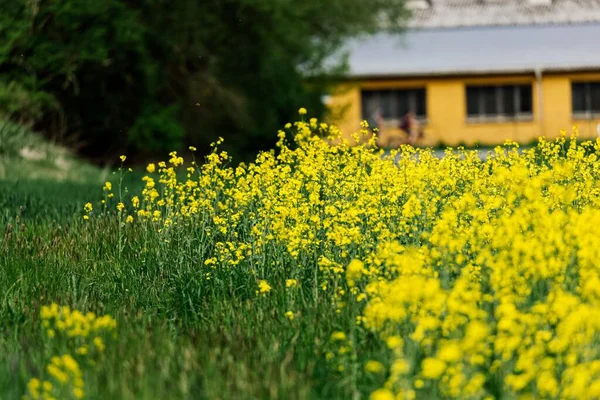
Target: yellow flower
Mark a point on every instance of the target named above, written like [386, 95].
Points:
[302, 111]
[291, 283]
[78, 393]
[433, 368]
[123, 158]
[57, 373]
[289, 315]
[400, 367]
[175, 160]
[107, 186]
[120, 206]
[151, 168]
[382, 394]
[70, 364]
[192, 148]
[99, 343]
[263, 286]
[34, 386]
[88, 207]
[354, 271]
[338, 336]
[374, 367]
[129, 219]
[450, 352]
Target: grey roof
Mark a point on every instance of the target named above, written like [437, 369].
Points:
[481, 50]
[461, 13]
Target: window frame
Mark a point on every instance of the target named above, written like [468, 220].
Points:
[499, 116]
[588, 113]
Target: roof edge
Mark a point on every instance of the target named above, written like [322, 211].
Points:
[496, 72]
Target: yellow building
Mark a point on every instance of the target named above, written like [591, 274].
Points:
[478, 78]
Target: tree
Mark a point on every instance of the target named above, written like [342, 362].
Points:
[147, 75]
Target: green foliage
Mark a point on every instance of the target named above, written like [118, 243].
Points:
[87, 56]
[156, 129]
[101, 71]
[22, 104]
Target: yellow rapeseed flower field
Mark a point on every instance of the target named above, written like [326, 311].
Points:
[326, 269]
[481, 276]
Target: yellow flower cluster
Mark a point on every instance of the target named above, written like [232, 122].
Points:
[263, 287]
[291, 283]
[500, 294]
[37, 389]
[480, 276]
[65, 376]
[88, 209]
[65, 371]
[75, 324]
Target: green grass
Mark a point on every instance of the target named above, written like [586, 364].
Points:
[180, 336]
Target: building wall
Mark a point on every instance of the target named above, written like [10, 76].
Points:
[447, 115]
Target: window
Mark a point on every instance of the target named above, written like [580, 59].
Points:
[393, 104]
[500, 102]
[586, 99]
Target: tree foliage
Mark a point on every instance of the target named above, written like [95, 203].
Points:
[150, 75]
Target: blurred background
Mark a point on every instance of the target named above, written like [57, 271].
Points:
[144, 77]
[476, 73]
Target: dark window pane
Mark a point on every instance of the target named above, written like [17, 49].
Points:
[490, 100]
[595, 96]
[371, 104]
[403, 104]
[525, 95]
[365, 98]
[508, 100]
[421, 110]
[393, 107]
[386, 104]
[472, 101]
[578, 95]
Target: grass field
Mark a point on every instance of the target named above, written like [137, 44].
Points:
[318, 271]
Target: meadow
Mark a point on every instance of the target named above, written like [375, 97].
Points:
[320, 270]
